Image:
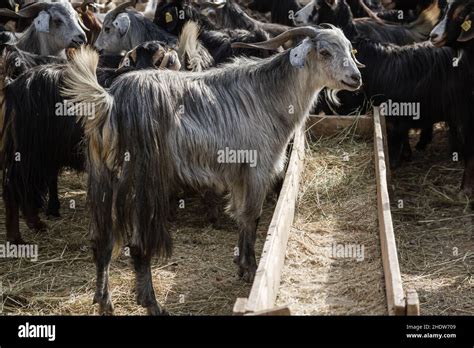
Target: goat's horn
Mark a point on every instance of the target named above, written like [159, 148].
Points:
[5, 12]
[215, 4]
[278, 40]
[120, 8]
[32, 10]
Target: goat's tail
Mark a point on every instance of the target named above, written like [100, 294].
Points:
[126, 158]
[82, 89]
[192, 54]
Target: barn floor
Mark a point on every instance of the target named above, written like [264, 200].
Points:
[199, 279]
[336, 207]
[434, 230]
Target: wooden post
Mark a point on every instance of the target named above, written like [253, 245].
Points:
[267, 279]
[393, 280]
[413, 303]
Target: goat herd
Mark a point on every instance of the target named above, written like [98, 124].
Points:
[143, 95]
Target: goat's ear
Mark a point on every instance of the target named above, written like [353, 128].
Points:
[122, 23]
[331, 3]
[467, 29]
[41, 22]
[299, 53]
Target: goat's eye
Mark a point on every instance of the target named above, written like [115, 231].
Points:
[325, 53]
[107, 30]
[58, 22]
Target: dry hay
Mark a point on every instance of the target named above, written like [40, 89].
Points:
[434, 230]
[336, 204]
[200, 278]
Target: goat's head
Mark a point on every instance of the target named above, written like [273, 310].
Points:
[456, 26]
[86, 11]
[325, 53]
[171, 15]
[114, 29]
[57, 23]
[322, 11]
[152, 54]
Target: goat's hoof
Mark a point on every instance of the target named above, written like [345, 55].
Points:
[53, 214]
[16, 241]
[247, 273]
[37, 226]
[106, 307]
[155, 310]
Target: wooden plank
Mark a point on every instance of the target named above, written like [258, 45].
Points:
[393, 280]
[413, 303]
[267, 279]
[277, 311]
[239, 306]
[383, 124]
[323, 125]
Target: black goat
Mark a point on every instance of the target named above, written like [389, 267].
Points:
[420, 74]
[338, 13]
[41, 137]
[403, 11]
[282, 11]
[456, 29]
[172, 15]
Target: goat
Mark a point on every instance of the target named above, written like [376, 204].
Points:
[89, 19]
[230, 15]
[456, 30]
[337, 12]
[39, 127]
[174, 130]
[282, 11]
[125, 28]
[56, 27]
[172, 15]
[402, 11]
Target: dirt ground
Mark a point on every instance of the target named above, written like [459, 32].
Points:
[434, 230]
[199, 279]
[336, 207]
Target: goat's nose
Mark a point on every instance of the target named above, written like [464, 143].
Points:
[434, 36]
[356, 78]
[81, 38]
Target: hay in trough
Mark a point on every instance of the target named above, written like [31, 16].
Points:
[434, 229]
[336, 209]
[200, 278]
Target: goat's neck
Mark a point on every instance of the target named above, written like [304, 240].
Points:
[37, 43]
[291, 91]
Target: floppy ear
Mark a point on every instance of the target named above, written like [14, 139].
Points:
[42, 22]
[122, 23]
[299, 53]
[331, 3]
[467, 29]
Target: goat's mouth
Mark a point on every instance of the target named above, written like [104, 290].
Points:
[440, 42]
[76, 44]
[352, 85]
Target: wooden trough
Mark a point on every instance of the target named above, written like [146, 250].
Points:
[264, 291]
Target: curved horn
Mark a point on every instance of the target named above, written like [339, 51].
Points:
[120, 8]
[32, 10]
[5, 12]
[279, 40]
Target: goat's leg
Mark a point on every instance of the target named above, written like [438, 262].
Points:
[210, 200]
[467, 186]
[102, 255]
[12, 217]
[33, 220]
[53, 200]
[144, 283]
[248, 218]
